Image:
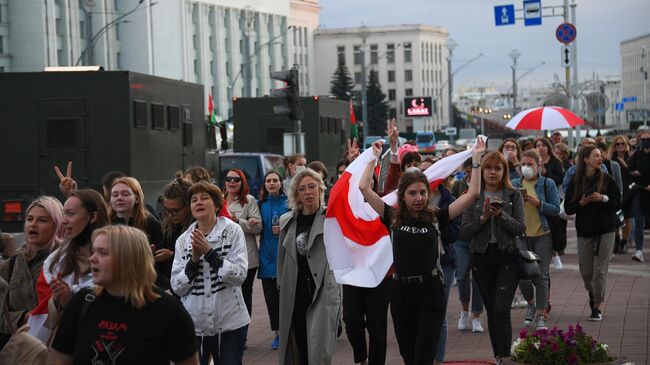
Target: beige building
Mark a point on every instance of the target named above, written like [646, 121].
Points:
[411, 60]
[634, 64]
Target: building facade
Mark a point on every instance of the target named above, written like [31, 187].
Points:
[634, 78]
[229, 46]
[410, 60]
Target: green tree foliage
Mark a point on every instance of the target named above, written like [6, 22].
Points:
[377, 106]
[341, 84]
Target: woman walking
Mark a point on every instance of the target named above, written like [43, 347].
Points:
[273, 204]
[541, 200]
[310, 298]
[619, 151]
[594, 198]
[418, 301]
[550, 166]
[491, 225]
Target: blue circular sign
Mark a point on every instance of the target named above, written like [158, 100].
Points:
[566, 33]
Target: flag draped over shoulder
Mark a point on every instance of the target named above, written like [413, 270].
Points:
[357, 243]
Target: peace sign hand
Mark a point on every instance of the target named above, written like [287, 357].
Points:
[67, 184]
[392, 133]
[353, 149]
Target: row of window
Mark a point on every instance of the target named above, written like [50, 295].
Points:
[375, 56]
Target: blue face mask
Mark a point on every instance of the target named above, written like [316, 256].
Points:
[460, 175]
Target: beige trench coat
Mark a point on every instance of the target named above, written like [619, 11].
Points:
[323, 314]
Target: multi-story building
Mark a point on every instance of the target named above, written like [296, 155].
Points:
[229, 46]
[613, 117]
[634, 73]
[411, 60]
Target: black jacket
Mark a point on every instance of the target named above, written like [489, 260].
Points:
[554, 171]
[596, 218]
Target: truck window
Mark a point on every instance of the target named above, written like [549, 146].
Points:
[158, 116]
[272, 163]
[250, 165]
[174, 117]
[62, 132]
[140, 110]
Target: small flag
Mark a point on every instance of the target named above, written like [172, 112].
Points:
[354, 133]
[213, 116]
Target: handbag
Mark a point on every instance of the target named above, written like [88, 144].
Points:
[527, 262]
[558, 229]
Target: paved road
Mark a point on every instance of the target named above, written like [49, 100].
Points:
[624, 326]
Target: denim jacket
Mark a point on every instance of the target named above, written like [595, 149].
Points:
[550, 201]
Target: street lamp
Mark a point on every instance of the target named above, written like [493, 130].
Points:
[112, 23]
[451, 45]
[521, 77]
[450, 80]
[514, 54]
[644, 72]
[364, 32]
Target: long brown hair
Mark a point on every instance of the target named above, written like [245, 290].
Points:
[92, 202]
[549, 148]
[402, 215]
[581, 180]
[243, 189]
[496, 158]
[140, 212]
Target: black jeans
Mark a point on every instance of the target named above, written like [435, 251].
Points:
[496, 275]
[367, 308]
[418, 311]
[272, 299]
[247, 289]
[227, 349]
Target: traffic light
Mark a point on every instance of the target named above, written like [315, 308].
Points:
[291, 92]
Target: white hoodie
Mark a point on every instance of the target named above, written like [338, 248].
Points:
[216, 305]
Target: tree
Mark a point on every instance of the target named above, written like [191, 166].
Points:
[377, 106]
[341, 84]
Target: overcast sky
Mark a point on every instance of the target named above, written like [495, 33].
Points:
[601, 24]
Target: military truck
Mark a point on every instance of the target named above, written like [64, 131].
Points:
[145, 126]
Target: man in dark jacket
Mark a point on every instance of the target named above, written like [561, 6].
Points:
[639, 167]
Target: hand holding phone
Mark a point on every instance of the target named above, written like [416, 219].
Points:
[523, 192]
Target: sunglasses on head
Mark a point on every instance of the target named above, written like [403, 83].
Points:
[233, 179]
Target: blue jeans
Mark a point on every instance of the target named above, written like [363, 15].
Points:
[229, 350]
[448, 271]
[463, 256]
[639, 221]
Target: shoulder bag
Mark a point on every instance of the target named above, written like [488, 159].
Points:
[558, 228]
[527, 261]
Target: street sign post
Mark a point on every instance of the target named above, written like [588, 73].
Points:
[630, 99]
[619, 107]
[566, 33]
[451, 131]
[532, 12]
[566, 56]
[504, 15]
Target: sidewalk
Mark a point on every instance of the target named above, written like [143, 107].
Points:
[626, 315]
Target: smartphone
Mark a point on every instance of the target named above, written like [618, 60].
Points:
[497, 203]
[589, 192]
[523, 191]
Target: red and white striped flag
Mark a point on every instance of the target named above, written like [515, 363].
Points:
[357, 243]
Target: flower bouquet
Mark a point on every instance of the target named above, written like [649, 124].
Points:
[554, 346]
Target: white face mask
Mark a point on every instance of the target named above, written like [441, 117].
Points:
[527, 171]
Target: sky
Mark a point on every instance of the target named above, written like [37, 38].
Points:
[601, 26]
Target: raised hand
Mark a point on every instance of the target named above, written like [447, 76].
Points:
[392, 133]
[66, 183]
[376, 148]
[353, 149]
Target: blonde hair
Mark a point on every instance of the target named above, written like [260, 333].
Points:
[140, 212]
[54, 209]
[132, 263]
[612, 148]
[294, 200]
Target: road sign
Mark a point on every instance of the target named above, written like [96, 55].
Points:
[619, 107]
[532, 12]
[504, 15]
[566, 33]
[566, 56]
[451, 131]
[629, 99]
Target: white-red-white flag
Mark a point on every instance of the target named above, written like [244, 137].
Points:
[357, 243]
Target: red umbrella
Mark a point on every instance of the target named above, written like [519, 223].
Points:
[545, 118]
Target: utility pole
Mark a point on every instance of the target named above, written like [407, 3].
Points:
[514, 54]
[644, 72]
[451, 44]
[572, 94]
[364, 32]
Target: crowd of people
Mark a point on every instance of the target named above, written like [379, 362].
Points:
[109, 278]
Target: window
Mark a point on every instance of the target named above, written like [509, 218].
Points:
[158, 116]
[357, 55]
[408, 92]
[187, 126]
[391, 76]
[2, 44]
[392, 113]
[408, 75]
[140, 117]
[392, 95]
[408, 52]
[357, 77]
[174, 117]
[390, 53]
[340, 53]
[374, 54]
[62, 132]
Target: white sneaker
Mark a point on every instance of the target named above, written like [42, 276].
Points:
[477, 326]
[638, 256]
[463, 321]
[557, 263]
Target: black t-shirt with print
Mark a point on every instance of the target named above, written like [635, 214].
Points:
[415, 244]
[113, 332]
